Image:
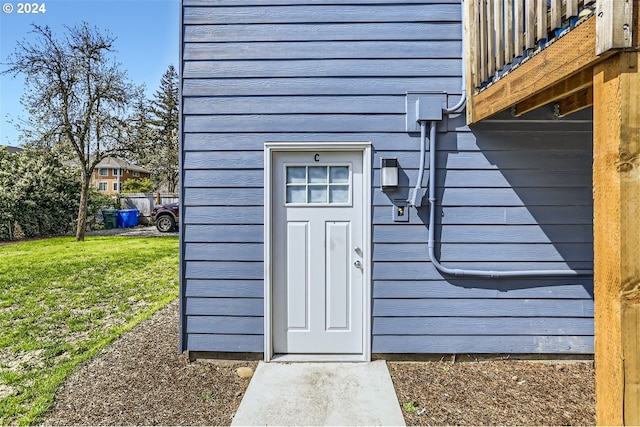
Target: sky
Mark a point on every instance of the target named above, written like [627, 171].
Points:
[147, 41]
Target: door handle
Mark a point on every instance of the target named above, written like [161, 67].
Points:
[357, 263]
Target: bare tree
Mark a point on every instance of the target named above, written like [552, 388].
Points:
[77, 97]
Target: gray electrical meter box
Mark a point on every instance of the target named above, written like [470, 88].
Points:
[424, 106]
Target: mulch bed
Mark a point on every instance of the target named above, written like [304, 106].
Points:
[496, 392]
[142, 380]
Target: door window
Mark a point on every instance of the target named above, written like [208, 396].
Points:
[318, 185]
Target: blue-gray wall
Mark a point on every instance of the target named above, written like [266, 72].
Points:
[514, 194]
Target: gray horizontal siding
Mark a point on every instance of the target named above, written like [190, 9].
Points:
[224, 270]
[456, 288]
[296, 105]
[539, 288]
[455, 178]
[478, 252]
[322, 68]
[224, 306]
[222, 324]
[223, 251]
[226, 196]
[210, 215]
[460, 197]
[380, 13]
[205, 178]
[479, 326]
[224, 234]
[392, 270]
[242, 343]
[301, 123]
[411, 307]
[487, 142]
[486, 234]
[321, 31]
[299, 2]
[556, 160]
[480, 215]
[323, 49]
[478, 178]
[311, 86]
[225, 288]
[466, 344]
[512, 195]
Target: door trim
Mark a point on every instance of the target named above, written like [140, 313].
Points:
[269, 149]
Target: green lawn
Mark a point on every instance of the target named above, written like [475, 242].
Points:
[62, 301]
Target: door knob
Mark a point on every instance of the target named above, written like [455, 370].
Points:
[357, 263]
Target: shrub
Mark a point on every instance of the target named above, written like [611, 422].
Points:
[37, 192]
[141, 185]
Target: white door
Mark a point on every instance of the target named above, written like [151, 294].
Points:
[318, 275]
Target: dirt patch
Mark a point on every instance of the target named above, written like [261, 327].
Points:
[140, 230]
[6, 391]
[142, 380]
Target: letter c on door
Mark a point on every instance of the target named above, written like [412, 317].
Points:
[316, 157]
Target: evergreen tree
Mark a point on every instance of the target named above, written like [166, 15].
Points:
[162, 157]
[142, 133]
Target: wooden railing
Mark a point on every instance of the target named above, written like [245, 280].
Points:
[499, 31]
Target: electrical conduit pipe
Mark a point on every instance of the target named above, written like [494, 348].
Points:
[416, 198]
[417, 202]
[432, 222]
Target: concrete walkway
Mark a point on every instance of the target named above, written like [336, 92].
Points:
[344, 394]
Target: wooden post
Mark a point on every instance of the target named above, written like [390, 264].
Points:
[483, 41]
[616, 190]
[518, 27]
[508, 32]
[471, 53]
[530, 24]
[614, 28]
[556, 14]
[491, 40]
[498, 25]
[541, 19]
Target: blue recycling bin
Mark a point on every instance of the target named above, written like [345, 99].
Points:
[127, 218]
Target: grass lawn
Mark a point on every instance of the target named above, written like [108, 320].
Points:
[62, 301]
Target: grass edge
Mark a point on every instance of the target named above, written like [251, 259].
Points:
[43, 404]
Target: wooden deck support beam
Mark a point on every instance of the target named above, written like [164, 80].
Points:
[563, 89]
[616, 184]
[576, 102]
[566, 57]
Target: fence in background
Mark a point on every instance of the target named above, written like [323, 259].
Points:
[144, 202]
